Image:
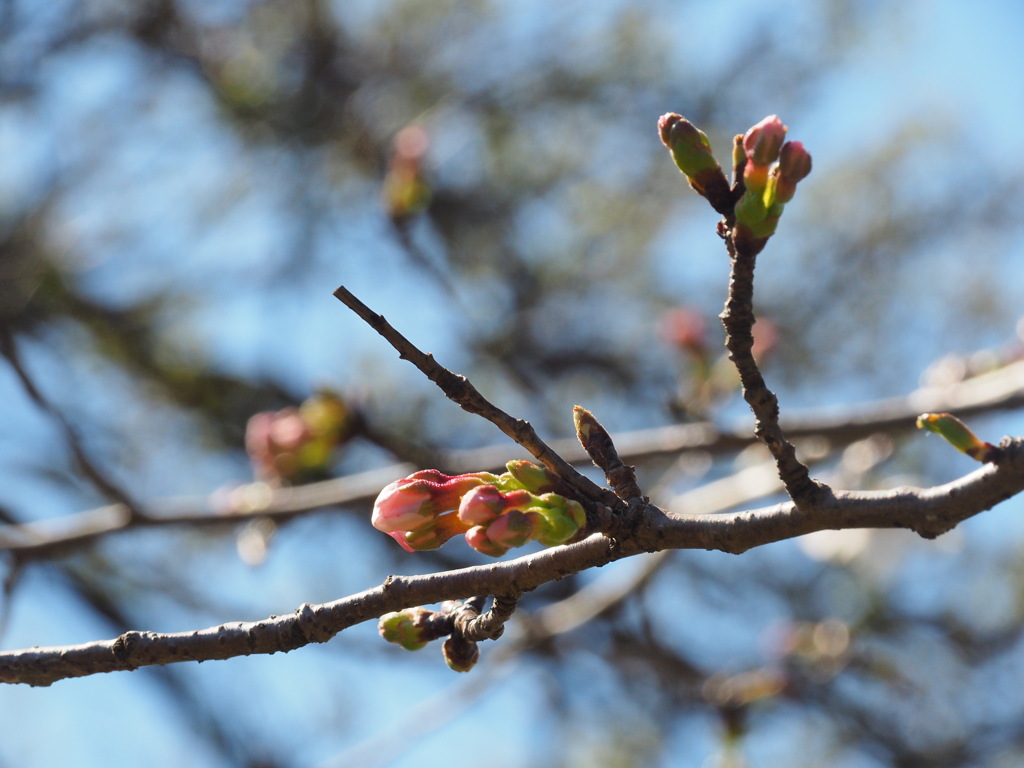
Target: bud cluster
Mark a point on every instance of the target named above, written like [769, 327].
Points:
[289, 444]
[772, 167]
[771, 172]
[414, 628]
[494, 512]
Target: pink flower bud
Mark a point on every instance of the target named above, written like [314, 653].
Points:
[412, 502]
[513, 529]
[763, 142]
[794, 165]
[404, 505]
[273, 442]
[794, 161]
[477, 538]
[481, 505]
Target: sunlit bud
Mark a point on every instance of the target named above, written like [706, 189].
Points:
[557, 523]
[477, 538]
[513, 529]
[405, 628]
[460, 654]
[534, 478]
[408, 503]
[485, 502]
[403, 506]
[958, 435]
[763, 142]
[690, 149]
[481, 505]
[794, 165]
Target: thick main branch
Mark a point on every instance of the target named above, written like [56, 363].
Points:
[929, 512]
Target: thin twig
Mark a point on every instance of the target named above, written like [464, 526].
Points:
[459, 390]
[106, 486]
[738, 319]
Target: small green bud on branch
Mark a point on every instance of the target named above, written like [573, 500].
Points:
[959, 435]
[691, 151]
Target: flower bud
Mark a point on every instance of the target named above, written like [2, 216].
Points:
[481, 505]
[403, 506]
[418, 511]
[534, 478]
[763, 142]
[405, 628]
[689, 145]
[794, 165]
[477, 538]
[513, 529]
[959, 435]
[460, 654]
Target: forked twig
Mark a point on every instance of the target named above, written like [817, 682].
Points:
[460, 391]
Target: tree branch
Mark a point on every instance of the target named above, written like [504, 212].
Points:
[930, 512]
[997, 390]
[459, 390]
[738, 319]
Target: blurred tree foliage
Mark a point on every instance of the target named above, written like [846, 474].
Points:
[185, 182]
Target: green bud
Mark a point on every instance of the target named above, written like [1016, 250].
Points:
[533, 478]
[690, 150]
[958, 435]
[404, 628]
[556, 525]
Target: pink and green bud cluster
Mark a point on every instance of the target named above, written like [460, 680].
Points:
[409, 628]
[419, 511]
[289, 444]
[771, 172]
[691, 152]
[494, 512]
[959, 435]
[503, 520]
[406, 189]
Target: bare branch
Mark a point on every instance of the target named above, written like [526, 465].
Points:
[106, 486]
[997, 390]
[738, 319]
[459, 390]
[930, 512]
